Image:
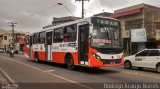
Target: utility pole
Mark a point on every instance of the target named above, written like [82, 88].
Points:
[82, 6]
[12, 24]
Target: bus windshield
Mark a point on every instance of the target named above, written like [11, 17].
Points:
[106, 35]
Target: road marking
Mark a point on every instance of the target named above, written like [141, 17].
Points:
[8, 77]
[25, 64]
[82, 85]
[49, 70]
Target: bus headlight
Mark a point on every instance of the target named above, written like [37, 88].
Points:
[96, 56]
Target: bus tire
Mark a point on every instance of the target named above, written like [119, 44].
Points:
[70, 62]
[36, 58]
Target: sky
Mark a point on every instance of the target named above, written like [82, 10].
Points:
[32, 15]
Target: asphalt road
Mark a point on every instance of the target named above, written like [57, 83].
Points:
[28, 74]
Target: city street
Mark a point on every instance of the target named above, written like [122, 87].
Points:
[22, 71]
[80, 44]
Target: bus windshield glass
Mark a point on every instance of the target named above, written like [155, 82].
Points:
[106, 33]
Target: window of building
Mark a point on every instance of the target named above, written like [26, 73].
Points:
[133, 24]
[36, 38]
[70, 33]
[58, 35]
[158, 25]
[5, 37]
[42, 37]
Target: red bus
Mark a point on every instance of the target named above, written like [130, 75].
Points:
[92, 42]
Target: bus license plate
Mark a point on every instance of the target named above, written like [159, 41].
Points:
[112, 62]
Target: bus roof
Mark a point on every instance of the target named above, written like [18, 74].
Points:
[69, 23]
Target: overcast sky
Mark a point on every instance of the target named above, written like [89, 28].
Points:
[32, 15]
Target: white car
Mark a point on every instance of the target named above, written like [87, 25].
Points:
[148, 58]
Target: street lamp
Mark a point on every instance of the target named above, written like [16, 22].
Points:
[66, 8]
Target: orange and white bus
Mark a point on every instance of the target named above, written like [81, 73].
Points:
[93, 42]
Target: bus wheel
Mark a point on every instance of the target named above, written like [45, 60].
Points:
[70, 62]
[127, 65]
[36, 58]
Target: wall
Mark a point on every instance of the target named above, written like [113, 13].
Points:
[126, 33]
[152, 14]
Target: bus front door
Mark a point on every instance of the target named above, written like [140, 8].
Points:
[83, 35]
[30, 47]
[48, 46]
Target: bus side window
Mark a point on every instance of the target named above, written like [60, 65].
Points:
[36, 38]
[58, 35]
[49, 38]
[70, 33]
[42, 36]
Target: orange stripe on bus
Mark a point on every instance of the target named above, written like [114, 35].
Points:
[59, 57]
[42, 56]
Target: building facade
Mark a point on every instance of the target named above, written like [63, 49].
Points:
[61, 20]
[104, 14]
[140, 16]
[6, 39]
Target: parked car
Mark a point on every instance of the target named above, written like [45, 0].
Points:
[148, 58]
[1, 50]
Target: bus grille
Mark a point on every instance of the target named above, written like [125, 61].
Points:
[113, 61]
